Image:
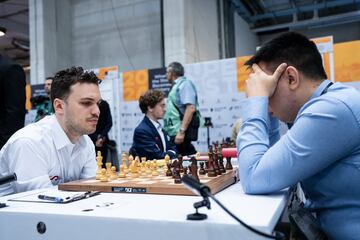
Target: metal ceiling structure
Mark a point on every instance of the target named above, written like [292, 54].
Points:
[267, 16]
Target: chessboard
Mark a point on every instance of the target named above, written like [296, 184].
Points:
[152, 185]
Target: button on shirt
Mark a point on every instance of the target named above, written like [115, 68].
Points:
[42, 155]
[322, 150]
[158, 127]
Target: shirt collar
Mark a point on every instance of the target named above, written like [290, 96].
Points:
[320, 88]
[156, 124]
[176, 81]
[61, 140]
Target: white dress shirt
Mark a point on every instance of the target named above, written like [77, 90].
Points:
[158, 127]
[42, 155]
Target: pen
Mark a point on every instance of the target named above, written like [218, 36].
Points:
[50, 198]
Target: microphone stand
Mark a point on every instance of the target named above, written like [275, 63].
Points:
[204, 191]
[199, 216]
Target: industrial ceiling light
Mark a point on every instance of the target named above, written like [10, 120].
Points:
[2, 31]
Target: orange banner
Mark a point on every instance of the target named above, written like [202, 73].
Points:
[105, 70]
[242, 72]
[347, 61]
[135, 84]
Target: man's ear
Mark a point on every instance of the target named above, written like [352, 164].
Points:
[293, 77]
[58, 106]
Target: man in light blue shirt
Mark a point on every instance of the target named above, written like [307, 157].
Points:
[322, 148]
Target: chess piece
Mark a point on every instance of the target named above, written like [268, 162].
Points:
[104, 177]
[143, 159]
[148, 168]
[216, 162]
[185, 171]
[99, 165]
[221, 162]
[174, 165]
[154, 172]
[122, 173]
[194, 169]
[108, 168]
[134, 169]
[180, 159]
[228, 164]
[210, 170]
[177, 178]
[168, 171]
[202, 170]
[113, 173]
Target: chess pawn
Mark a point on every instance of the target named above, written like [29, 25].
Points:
[177, 179]
[168, 171]
[104, 177]
[167, 159]
[143, 159]
[130, 160]
[113, 173]
[148, 168]
[154, 172]
[134, 170]
[202, 169]
[228, 164]
[122, 173]
[108, 168]
[143, 168]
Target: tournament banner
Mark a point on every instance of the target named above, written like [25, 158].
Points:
[158, 80]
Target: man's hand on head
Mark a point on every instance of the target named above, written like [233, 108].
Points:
[261, 84]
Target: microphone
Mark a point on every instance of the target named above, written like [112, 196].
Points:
[8, 178]
[195, 186]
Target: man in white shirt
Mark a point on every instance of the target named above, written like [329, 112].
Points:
[56, 149]
[150, 139]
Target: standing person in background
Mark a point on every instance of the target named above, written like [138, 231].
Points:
[100, 137]
[150, 140]
[43, 104]
[12, 98]
[181, 119]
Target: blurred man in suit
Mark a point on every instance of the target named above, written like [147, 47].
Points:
[150, 139]
[12, 98]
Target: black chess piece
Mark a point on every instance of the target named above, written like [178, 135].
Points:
[202, 169]
[180, 159]
[194, 169]
[228, 164]
[210, 167]
[177, 177]
[168, 171]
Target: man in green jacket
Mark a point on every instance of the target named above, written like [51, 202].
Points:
[182, 105]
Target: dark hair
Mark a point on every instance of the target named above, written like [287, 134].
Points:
[149, 99]
[64, 79]
[294, 49]
[176, 69]
[49, 78]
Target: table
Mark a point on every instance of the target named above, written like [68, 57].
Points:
[141, 216]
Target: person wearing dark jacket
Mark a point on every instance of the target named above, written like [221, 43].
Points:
[150, 139]
[12, 98]
[100, 137]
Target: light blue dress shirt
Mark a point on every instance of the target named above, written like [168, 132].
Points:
[186, 94]
[321, 150]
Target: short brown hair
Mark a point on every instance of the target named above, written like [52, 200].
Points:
[64, 79]
[149, 99]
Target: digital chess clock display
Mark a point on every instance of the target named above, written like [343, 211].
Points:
[129, 190]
